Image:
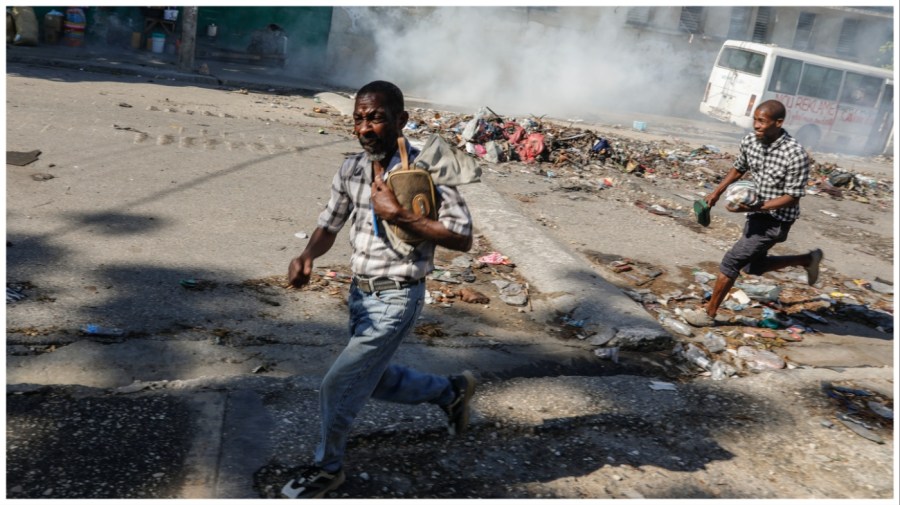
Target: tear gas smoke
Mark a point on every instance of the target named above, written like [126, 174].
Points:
[499, 57]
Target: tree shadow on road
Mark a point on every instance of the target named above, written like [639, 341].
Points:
[624, 428]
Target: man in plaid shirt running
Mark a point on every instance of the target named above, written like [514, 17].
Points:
[780, 168]
[387, 292]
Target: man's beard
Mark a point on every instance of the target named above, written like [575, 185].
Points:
[375, 150]
[376, 156]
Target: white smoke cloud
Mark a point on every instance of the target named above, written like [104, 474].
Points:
[495, 56]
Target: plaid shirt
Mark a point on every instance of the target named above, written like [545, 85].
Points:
[373, 256]
[781, 168]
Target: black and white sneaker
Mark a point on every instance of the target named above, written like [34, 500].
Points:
[458, 410]
[313, 483]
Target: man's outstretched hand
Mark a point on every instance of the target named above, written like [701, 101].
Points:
[299, 271]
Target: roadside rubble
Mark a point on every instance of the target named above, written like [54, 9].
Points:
[760, 314]
[861, 411]
[478, 278]
[829, 180]
[582, 160]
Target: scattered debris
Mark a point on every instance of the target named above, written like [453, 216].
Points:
[494, 258]
[470, 295]
[128, 128]
[14, 294]
[134, 387]
[760, 359]
[863, 412]
[512, 293]
[860, 430]
[21, 158]
[662, 386]
[197, 284]
[105, 331]
[610, 353]
[430, 330]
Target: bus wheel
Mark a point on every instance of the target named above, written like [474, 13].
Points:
[808, 137]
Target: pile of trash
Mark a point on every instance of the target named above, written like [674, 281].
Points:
[571, 151]
[486, 135]
[451, 280]
[762, 315]
[827, 179]
[568, 150]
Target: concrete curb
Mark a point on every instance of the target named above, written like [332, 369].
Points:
[568, 284]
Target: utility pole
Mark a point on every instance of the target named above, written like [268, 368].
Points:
[188, 40]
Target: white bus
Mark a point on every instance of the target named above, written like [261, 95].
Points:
[832, 105]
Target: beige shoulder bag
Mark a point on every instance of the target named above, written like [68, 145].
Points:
[414, 190]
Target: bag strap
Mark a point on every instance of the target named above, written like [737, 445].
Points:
[404, 157]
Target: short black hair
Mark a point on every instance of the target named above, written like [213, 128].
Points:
[392, 94]
[774, 108]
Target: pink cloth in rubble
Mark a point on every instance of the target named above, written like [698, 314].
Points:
[494, 258]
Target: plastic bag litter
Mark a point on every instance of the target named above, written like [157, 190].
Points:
[741, 192]
[760, 360]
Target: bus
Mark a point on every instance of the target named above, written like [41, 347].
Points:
[832, 105]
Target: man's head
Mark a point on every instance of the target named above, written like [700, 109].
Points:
[767, 121]
[378, 118]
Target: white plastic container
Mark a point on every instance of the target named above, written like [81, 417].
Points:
[159, 43]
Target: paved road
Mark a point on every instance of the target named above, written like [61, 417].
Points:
[206, 390]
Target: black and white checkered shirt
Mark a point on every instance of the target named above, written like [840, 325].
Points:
[373, 256]
[781, 168]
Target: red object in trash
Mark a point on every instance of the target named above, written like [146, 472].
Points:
[531, 148]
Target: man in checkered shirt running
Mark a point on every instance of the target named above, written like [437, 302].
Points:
[387, 292]
[779, 167]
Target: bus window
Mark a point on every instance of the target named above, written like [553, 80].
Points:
[820, 82]
[861, 89]
[786, 75]
[742, 61]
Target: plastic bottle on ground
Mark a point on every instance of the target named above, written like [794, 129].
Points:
[96, 329]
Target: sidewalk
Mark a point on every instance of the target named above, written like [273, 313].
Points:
[146, 63]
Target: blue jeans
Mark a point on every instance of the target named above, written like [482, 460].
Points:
[378, 324]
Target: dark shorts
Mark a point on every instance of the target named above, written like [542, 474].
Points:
[761, 232]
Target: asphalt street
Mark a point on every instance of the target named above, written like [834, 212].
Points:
[170, 220]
